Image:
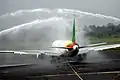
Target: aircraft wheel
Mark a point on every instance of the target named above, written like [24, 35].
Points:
[53, 61]
[41, 56]
[77, 58]
[82, 56]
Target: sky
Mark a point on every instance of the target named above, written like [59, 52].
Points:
[106, 7]
[18, 40]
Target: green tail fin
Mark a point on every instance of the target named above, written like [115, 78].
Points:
[73, 34]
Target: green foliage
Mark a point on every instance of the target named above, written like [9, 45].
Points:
[104, 39]
[106, 33]
[109, 30]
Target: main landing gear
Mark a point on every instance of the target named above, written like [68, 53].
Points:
[54, 59]
[80, 57]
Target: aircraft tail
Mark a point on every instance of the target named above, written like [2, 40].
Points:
[73, 33]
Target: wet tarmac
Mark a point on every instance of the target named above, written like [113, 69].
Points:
[97, 66]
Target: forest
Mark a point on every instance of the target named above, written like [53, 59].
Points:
[109, 30]
[108, 33]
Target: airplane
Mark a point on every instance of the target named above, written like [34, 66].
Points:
[70, 49]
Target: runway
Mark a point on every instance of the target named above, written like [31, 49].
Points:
[97, 66]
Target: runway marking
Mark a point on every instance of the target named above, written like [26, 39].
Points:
[14, 65]
[117, 76]
[109, 72]
[74, 71]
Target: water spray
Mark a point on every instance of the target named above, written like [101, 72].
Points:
[22, 12]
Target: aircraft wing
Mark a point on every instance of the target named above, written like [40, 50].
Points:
[98, 48]
[97, 44]
[41, 52]
[10, 51]
[91, 45]
[34, 52]
[83, 46]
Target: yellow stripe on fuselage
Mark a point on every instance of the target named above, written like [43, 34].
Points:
[68, 43]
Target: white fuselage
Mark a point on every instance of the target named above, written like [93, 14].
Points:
[64, 52]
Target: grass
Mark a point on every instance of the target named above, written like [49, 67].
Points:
[113, 49]
[110, 40]
[105, 39]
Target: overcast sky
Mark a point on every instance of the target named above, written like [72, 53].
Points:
[107, 7]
